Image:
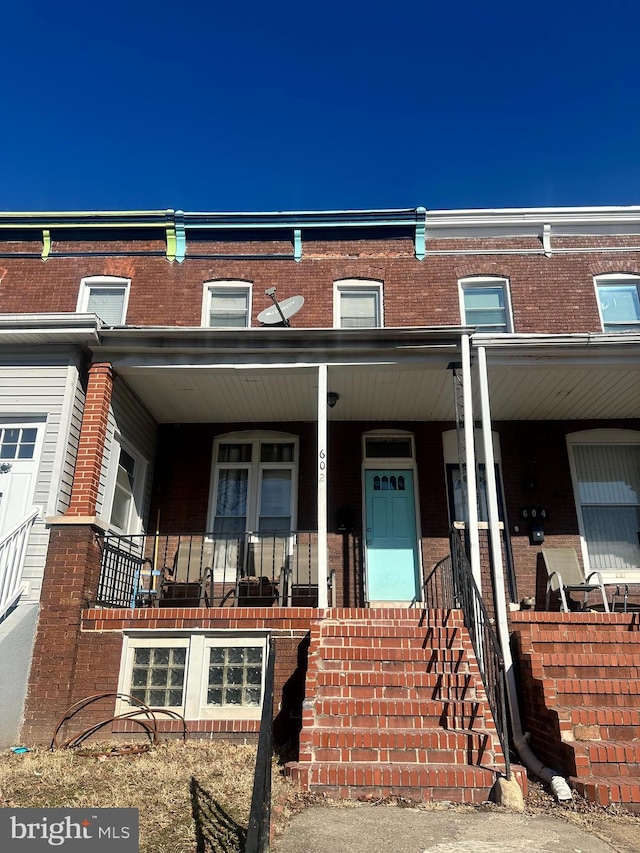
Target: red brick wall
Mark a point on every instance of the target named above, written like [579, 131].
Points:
[415, 292]
[70, 580]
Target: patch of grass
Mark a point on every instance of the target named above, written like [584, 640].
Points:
[193, 797]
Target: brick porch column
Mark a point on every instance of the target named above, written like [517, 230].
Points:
[71, 574]
[86, 479]
[70, 580]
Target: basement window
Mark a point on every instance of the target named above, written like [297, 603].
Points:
[201, 676]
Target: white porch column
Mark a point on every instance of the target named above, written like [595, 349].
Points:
[495, 539]
[470, 463]
[323, 562]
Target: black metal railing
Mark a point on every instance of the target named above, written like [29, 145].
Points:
[210, 570]
[260, 813]
[451, 584]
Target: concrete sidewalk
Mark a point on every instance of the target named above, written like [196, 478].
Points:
[390, 829]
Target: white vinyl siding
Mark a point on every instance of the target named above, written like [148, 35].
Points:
[46, 386]
[608, 485]
[130, 420]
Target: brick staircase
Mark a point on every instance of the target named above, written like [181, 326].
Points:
[395, 706]
[581, 691]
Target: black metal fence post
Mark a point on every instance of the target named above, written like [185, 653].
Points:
[260, 814]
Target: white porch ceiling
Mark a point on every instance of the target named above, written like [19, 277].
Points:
[285, 394]
[384, 392]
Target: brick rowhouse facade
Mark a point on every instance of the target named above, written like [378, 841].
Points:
[148, 436]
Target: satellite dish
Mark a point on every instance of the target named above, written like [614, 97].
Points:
[281, 311]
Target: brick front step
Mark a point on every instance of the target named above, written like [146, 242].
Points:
[592, 666]
[396, 708]
[607, 791]
[433, 783]
[605, 758]
[396, 685]
[422, 746]
[607, 718]
[599, 692]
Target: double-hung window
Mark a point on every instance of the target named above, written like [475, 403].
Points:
[357, 304]
[125, 488]
[606, 475]
[619, 302]
[227, 304]
[254, 482]
[105, 296]
[484, 303]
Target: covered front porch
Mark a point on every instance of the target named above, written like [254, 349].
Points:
[286, 465]
[324, 468]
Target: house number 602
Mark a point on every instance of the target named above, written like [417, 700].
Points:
[322, 465]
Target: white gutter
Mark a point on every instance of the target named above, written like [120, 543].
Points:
[557, 782]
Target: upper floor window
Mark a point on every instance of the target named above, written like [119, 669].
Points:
[484, 303]
[227, 304]
[618, 302]
[105, 296]
[357, 304]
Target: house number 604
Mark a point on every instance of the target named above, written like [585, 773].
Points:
[322, 465]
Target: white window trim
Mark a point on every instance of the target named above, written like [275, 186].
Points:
[108, 281]
[355, 285]
[140, 479]
[610, 278]
[255, 468]
[481, 281]
[194, 705]
[210, 287]
[598, 436]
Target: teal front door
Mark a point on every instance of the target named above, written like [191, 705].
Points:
[392, 547]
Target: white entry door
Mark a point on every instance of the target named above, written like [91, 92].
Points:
[19, 455]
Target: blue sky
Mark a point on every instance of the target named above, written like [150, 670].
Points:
[288, 105]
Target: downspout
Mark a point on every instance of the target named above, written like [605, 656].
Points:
[557, 782]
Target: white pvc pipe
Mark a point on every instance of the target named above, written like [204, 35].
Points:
[557, 782]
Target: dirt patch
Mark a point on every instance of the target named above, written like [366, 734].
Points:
[193, 796]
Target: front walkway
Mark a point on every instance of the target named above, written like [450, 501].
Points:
[390, 829]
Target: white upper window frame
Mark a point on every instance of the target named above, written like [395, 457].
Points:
[610, 279]
[108, 282]
[209, 288]
[357, 285]
[480, 282]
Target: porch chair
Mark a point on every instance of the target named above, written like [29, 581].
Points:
[565, 574]
[186, 582]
